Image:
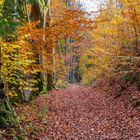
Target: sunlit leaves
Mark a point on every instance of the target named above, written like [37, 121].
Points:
[115, 41]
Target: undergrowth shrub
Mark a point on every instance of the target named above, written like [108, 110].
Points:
[32, 121]
[60, 84]
[133, 78]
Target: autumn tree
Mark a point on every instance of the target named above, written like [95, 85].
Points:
[115, 52]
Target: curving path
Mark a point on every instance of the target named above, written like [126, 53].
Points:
[79, 113]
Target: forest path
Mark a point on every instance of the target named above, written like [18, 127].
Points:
[79, 113]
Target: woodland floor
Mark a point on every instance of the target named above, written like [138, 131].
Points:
[79, 113]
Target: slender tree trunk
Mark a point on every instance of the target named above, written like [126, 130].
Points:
[54, 66]
[44, 10]
[59, 51]
[27, 11]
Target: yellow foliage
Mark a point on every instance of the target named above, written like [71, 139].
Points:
[115, 47]
[17, 63]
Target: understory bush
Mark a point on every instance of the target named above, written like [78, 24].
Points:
[32, 120]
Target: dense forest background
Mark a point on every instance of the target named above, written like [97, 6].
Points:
[49, 44]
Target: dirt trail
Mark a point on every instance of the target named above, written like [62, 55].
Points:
[79, 113]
